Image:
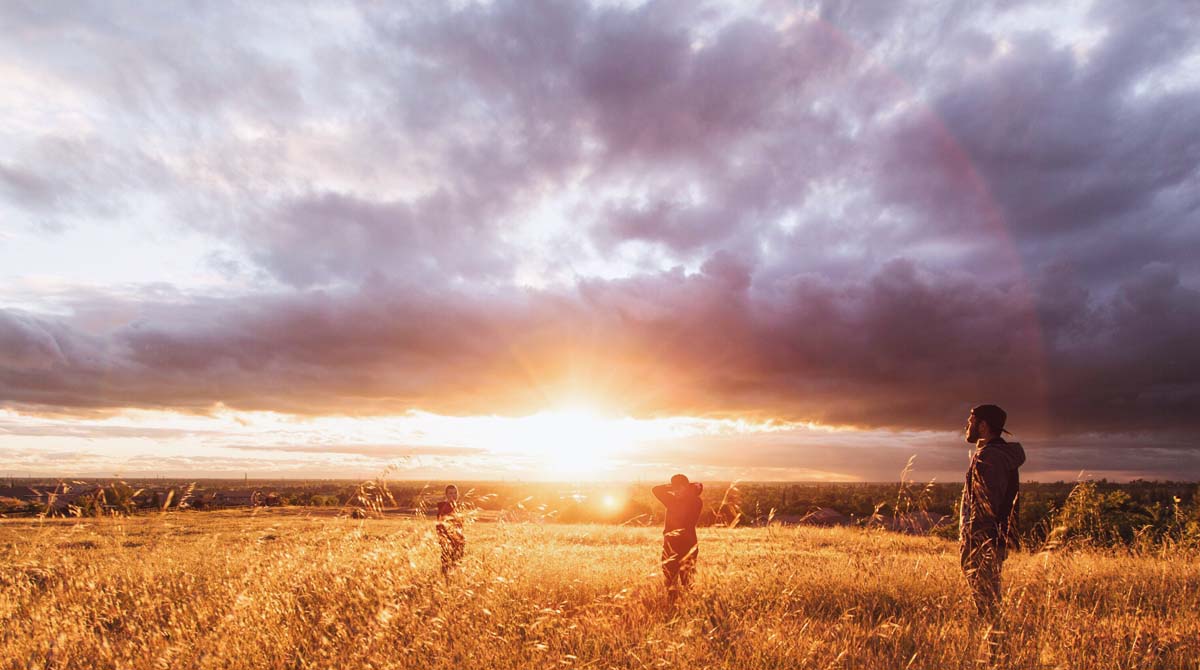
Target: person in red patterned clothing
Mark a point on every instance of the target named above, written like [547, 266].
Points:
[451, 539]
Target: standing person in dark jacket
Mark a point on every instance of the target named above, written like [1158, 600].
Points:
[989, 505]
[682, 500]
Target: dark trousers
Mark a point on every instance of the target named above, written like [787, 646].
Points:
[678, 565]
[982, 559]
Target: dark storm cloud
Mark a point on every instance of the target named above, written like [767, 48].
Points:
[1132, 355]
[27, 342]
[1076, 156]
[711, 132]
[894, 214]
[902, 348]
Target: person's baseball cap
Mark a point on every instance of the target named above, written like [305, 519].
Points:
[994, 416]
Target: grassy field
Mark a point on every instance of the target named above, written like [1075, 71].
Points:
[272, 590]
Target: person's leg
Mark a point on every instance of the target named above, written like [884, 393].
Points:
[670, 570]
[981, 566]
[687, 567]
[965, 558]
[988, 577]
[447, 551]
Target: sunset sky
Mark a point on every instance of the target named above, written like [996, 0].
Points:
[553, 240]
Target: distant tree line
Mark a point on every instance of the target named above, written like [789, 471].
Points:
[1050, 514]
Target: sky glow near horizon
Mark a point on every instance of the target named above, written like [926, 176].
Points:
[556, 240]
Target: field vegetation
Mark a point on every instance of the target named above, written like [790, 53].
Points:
[1138, 512]
[283, 588]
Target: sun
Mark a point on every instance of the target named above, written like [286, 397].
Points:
[573, 442]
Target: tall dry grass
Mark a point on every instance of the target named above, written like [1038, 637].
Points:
[269, 590]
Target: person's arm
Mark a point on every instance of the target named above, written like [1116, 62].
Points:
[991, 474]
[663, 493]
[443, 510]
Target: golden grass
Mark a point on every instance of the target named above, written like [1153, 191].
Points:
[232, 590]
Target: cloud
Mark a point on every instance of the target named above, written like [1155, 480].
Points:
[95, 431]
[385, 451]
[25, 342]
[1073, 156]
[59, 180]
[905, 347]
[311, 238]
[868, 218]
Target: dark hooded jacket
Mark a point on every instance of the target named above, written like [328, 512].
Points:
[989, 499]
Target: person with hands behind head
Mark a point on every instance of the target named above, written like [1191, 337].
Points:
[682, 500]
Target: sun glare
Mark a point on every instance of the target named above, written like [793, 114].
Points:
[573, 443]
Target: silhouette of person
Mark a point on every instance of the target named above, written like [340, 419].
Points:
[988, 512]
[682, 500]
[451, 539]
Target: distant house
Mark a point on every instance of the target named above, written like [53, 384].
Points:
[237, 498]
[157, 498]
[149, 499]
[825, 516]
[19, 498]
[821, 516]
[22, 493]
[916, 523]
[55, 499]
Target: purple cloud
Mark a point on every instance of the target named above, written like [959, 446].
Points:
[869, 218]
